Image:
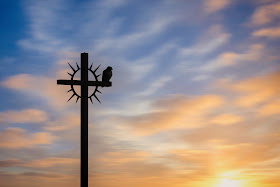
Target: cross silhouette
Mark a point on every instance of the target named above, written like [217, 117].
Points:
[84, 83]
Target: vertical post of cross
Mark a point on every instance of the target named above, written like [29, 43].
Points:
[84, 83]
[84, 120]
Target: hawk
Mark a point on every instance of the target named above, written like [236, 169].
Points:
[107, 74]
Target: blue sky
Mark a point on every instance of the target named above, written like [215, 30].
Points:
[195, 86]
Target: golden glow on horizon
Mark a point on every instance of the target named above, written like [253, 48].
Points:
[229, 183]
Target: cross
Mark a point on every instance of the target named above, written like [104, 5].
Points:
[84, 83]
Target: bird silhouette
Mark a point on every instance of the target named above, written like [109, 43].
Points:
[107, 74]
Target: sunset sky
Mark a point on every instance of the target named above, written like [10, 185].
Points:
[195, 100]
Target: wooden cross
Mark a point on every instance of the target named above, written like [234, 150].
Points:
[84, 83]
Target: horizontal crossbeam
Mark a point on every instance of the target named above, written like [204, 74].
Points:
[88, 83]
[69, 82]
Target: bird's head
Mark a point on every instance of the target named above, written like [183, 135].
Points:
[109, 68]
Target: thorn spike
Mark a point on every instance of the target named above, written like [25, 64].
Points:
[98, 91]
[70, 74]
[71, 97]
[77, 99]
[96, 68]
[96, 98]
[77, 66]
[70, 90]
[98, 75]
[91, 100]
[90, 66]
[72, 67]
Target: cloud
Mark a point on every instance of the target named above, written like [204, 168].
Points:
[211, 40]
[14, 138]
[220, 149]
[112, 3]
[266, 14]
[139, 69]
[131, 167]
[52, 162]
[115, 159]
[270, 109]
[156, 85]
[33, 179]
[9, 163]
[257, 90]
[217, 135]
[273, 32]
[23, 116]
[40, 163]
[134, 39]
[244, 155]
[42, 87]
[46, 34]
[175, 112]
[44, 30]
[19, 82]
[226, 119]
[63, 123]
[227, 59]
[211, 6]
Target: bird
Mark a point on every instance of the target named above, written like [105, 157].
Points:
[107, 74]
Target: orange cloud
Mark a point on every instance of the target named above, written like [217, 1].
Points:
[40, 87]
[130, 168]
[258, 90]
[272, 108]
[239, 150]
[52, 162]
[228, 59]
[273, 32]
[23, 116]
[175, 112]
[41, 163]
[266, 14]
[212, 135]
[21, 81]
[226, 119]
[42, 179]
[244, 155]
[64, 123]
[196, 159]
[211, 6]
[121, 158]
[253, 91]
[13, 138]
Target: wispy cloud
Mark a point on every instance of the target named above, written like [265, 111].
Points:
[273, 32]
[175, 113]
[13, 138]
[228, 59]
[226, 119]
[272, 108]
[266, 14]
[211, 6]
[40, 87]
[63, 123]
[256, 90]
[24, 116]
[212, 39]
[41, 163]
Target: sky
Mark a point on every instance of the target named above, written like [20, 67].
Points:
[194, 100]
